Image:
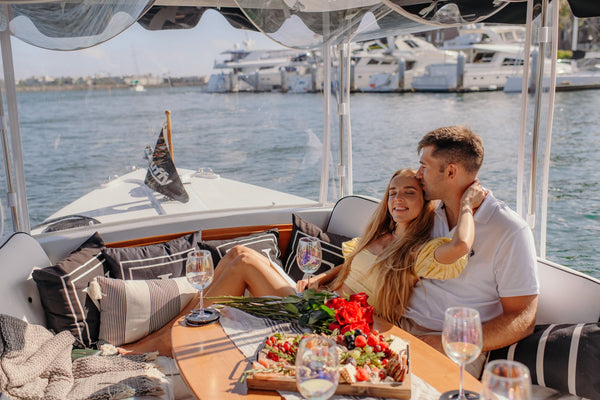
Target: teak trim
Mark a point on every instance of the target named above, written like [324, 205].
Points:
[285, 232]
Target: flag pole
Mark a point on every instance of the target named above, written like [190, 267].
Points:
[169, 134]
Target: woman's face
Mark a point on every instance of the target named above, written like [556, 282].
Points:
[405, 199]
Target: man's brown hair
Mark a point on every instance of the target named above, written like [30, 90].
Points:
[455, 144]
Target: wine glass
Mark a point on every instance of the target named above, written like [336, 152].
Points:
[462, 340]
[199, 272]
[317, 368]
[308, 256]
[505, 379]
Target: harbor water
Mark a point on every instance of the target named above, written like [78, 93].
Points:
[74, 141]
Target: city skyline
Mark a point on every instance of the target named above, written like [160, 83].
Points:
[136, 51]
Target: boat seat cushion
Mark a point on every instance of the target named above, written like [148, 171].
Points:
[331, 246]
[563, 357]
[19, 255]
[63, 291]
[154, 261]
[132, 309]
[266, 242]
[350, 216]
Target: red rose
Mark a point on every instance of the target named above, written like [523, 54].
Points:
[361, 298]
[335, 303]
[350, 313]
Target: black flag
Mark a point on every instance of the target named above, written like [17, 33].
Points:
[162, 176]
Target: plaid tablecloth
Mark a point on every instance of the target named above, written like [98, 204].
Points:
[248, 333]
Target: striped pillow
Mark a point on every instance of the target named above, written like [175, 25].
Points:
[132, 309]
[154, 261]
[63, 290]
[562, 357]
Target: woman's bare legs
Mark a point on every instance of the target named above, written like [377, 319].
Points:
[243, 268]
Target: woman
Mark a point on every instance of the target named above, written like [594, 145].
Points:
[385, 263]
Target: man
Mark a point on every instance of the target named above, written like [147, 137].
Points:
[500, 279]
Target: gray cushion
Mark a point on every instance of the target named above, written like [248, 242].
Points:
[161, 260]
[266, 243]
[331, 245]
[63, 291]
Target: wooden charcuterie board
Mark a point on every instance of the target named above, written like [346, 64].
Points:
[275, 381]
[392, 390]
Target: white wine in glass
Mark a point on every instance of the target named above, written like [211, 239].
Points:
[462, 340]
[317, 368]
[199, 271]
[506, 379]
[308, 256]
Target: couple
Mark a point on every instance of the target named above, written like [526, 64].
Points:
[489, 264]
[395, 252]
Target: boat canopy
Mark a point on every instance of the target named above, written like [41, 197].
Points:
[303, 24]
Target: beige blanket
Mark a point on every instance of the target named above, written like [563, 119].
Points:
[36, 364]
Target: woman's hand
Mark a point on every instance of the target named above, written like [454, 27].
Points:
[302, 284]
[473, 196]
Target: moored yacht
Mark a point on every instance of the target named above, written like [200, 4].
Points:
[245, 69]
[390, 64]
[487, 56]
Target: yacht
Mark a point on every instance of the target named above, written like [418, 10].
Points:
[487, 56]
[381, 67]
[244, 69]
[223, 208]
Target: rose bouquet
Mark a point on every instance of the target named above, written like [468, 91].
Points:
[322, 312]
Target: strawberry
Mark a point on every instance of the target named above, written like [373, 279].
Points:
[362, 374]
[360, 341]
[372, 340]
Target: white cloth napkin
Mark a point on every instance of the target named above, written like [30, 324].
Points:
[248, 333]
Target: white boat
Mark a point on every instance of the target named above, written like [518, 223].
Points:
[224, 208]
[379, 67]
[571, 74]
[262, 70]
[488, 56]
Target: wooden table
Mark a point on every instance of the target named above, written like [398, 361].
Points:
[211, 364]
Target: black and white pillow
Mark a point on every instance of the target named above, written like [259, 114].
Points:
[161, 260]
[63, 291]
[266, 243]
[331, 245]
[562, 357]
[132, 309]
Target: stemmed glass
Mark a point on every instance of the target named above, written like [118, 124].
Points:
[317, 368]
[505, 379]
[462, 340]
[308, 256]
[199, 272]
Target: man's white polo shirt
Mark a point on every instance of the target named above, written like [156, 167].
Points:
[502, 263]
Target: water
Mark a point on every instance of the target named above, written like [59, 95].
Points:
[74, 141]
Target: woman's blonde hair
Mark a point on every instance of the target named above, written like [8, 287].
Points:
[394, 266]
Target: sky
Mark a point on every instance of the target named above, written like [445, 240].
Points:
[187, 52]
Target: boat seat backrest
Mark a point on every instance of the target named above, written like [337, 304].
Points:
[19, 255]
[566, 296]
[350, 215]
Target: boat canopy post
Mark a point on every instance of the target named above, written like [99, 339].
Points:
[343, 110]
[326, 123]
[19, 202]
[546, 37]
[523, 116]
